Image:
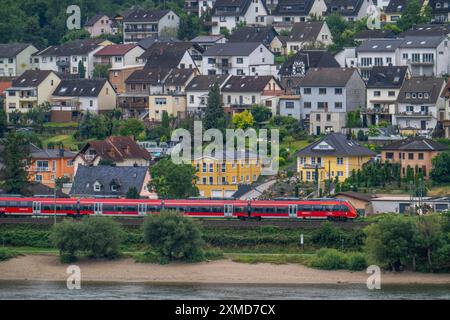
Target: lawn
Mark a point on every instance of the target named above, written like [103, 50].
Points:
[439, 191]
[67, 140]
[61, 125]
[293, 148]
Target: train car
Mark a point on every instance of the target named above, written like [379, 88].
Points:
[331, 209]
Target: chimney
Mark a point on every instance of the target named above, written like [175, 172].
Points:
[61, 151]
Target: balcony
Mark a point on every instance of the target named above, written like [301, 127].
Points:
[133, 103]
[141, 29]
[382, 110]
[421, 62]
[409, 114]
[223, 65]
[63, 63]
[40, 169]
[313, 166]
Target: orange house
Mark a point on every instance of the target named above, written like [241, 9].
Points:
[47, 165]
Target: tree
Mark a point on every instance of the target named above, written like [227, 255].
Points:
[3, 122]
[260, 113]
[189, 26]
[75, 34]
[354, 119]
[132, 193]
[173, 236]
[413, 14]
[81, 70]
[165, 121]
[173, 181]
[243, 120]
[14, 175]
[131, 127]
[101, 71]
[214, 114]
[391, 242]
[440, 173]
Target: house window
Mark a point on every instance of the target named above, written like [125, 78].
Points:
[391, 93]
[322, 105]
[211, 60]
[211, 180]
[308, 175]
[211, 167]
[239, 60]
[38, 178]
[421, 156]
[377, 93]
[338, 105]
[160, 101]
[338, 91]
[340, 160]
[191, 99]
[307, 105]
[410, 156]
[340, 173]
[322, 90]
[97, 187]
[91, 103]
[318, 117]
[328, 117]
[204, 167]
[306, 90]
[289, 104]
[113, 188]
[389, 155]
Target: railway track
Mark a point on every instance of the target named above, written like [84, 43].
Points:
[208, 223]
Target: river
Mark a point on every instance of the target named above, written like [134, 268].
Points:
[58, 290]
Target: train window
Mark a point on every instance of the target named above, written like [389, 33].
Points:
[304, 207]
[131, 208]
[47, 206]
[281, 210]
[120, 208]
[24, 204]
[108, 208]
[239, 209]
[12, 204]
[270, 210]
[153, 209]
[328, 208]
[217, 209]
[259, 210]
[317, 208]
[86, 207]
[68, 207]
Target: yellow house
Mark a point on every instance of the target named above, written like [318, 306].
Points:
[332, 156]
[171, 103]
[222, 177]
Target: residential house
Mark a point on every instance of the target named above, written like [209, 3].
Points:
[119, 55]
[198, 7]
[47, 165]
[208, 41]
[393, 11]
[240, 93]
[140, 23]
[419, 103]
[444, 115]
[118, 76]
[260, 34]
[361, 201]
[383, 88]
[32, 88]
[228, 15]
[377, 53]
[288, 12]
[75, 97]
[408, 205]
[149, 41]
[5, 83]
[296, 66]
[222, 176]
[15, 58]
[308, 35]
[111, 182]
[122, 151]
[198, 89]
[369, 34]
[173, 98]
[332, 156]
[350, 10]
[167, 55]
[98, 25]
[426, 30]
[426, 55]
[290, 106]
[346, 57]
[239, 58]
[416, 153]
[440, 10]
[66, 58]
[328, 94]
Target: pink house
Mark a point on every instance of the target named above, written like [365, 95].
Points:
[98, 25]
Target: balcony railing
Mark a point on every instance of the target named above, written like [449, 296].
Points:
[63, 63]
[421, 62]
[415, 114]
[40, 169]
[313, 166]
[223, 65]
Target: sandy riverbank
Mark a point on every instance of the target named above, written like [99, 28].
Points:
[48, 268]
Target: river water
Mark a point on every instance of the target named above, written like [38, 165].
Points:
[58, 290]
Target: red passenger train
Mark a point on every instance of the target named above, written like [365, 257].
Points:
[331, 209]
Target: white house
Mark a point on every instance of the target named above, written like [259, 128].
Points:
[197, 90]
[308, 34]
[119, 55]
[350, 10]
[238, 58]
[15, 58]
[65, 58]
[288, 12]
[227, 15]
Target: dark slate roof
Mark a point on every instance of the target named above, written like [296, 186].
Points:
[305, 31]
[123, 177]
[422, 41]
[10, 50]
[142, 15]
[178, 77]
[430, 85]
[204, 82]
[441, 9]
[76, 47]
[80, 88]
[311, 59]
[416, 144]
[232, 49]
[246, 83]
[167, 54]
[395, 6]
[375, 34]
[293, 7]
[149, 41]
[253, 34]
[207, 39]
[31, 78]
[427, 30]
[94, 19]
[230, 7]
[148, 76]
[338, 145]
[38, 153]
[329, 77]
[344, 7]
[379, 45]
[387, 77]
[41, 190]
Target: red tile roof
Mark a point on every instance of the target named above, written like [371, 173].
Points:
[116, 50]
[5, 83]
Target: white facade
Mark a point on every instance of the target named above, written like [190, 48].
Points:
[15, 66]
[291, 107]
[120, 61]
[317, 9]
[324, 39]
[136, 31]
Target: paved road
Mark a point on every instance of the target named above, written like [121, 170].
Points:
[257, 191]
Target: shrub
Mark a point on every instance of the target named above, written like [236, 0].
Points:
[150, 257]
[329, 259]
[356, 261]
[6, 254]
[174, 236]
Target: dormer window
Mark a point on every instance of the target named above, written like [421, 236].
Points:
[413, 95]
[113, 188]
[97, 186]
[408, 95]
[426, 95]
